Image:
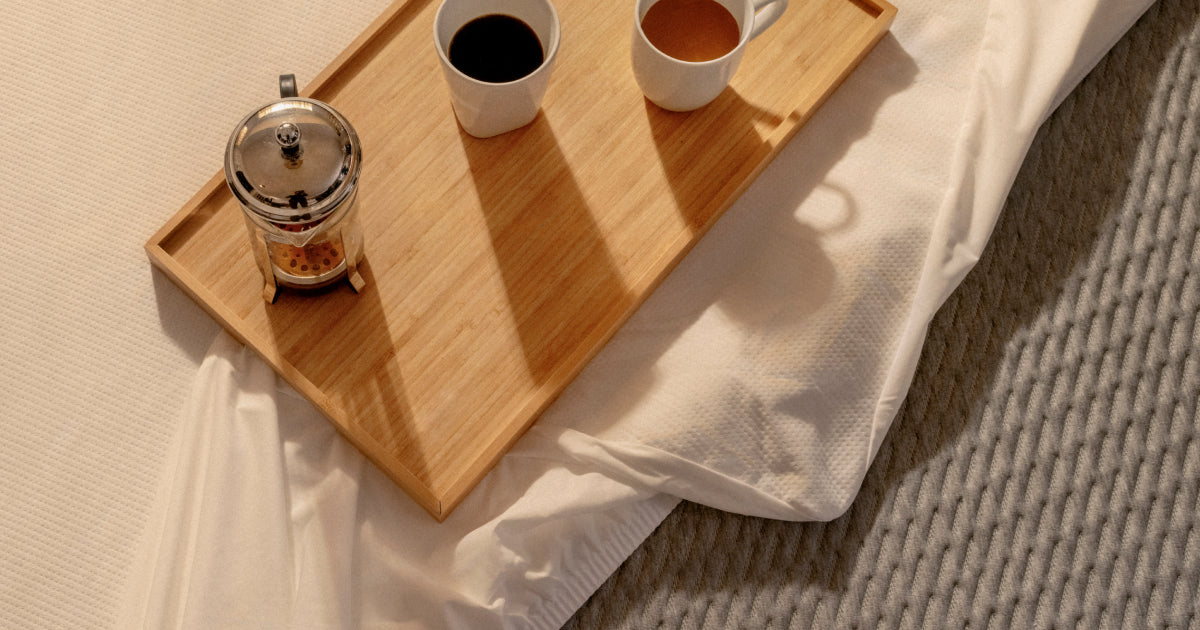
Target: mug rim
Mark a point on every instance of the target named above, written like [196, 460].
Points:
[743, 36]
[547, 57]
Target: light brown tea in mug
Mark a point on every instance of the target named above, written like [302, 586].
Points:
[691, 30]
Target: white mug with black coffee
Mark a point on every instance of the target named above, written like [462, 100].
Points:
[497, 56]
[685, 52]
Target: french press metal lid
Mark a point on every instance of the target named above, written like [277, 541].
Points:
[294, 161]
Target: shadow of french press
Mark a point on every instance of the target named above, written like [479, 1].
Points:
[560, 278]
[332, 337]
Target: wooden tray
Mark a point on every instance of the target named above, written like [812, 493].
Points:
[497, 268]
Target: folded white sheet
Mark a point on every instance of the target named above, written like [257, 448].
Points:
[759, 378]
[277, 522]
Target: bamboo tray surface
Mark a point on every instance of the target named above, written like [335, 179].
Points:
[497, 268]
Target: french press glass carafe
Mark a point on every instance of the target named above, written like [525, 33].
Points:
[294, 165]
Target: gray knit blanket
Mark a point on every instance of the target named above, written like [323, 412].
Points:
[1044, 471]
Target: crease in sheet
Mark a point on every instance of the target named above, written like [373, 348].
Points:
[308, 535]
[1008, 100]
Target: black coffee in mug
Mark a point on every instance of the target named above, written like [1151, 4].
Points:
[496, 48]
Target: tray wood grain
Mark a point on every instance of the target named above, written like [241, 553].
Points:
[497, 268]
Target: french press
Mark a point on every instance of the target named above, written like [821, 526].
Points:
[293, 165]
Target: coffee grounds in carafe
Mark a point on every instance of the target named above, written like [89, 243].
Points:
[306, 261]
[311, 260]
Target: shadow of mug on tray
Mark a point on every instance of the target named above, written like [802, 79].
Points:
[684, 52]
[497, 56]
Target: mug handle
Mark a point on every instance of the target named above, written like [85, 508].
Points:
[765, 14]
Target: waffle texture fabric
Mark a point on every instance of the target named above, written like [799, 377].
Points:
[763, 375]
[1044, 471]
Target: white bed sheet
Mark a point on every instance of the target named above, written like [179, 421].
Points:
[760, 378]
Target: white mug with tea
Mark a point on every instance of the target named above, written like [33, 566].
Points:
[497, 56]
[685, 52]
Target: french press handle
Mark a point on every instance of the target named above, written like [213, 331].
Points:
[287, 86]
